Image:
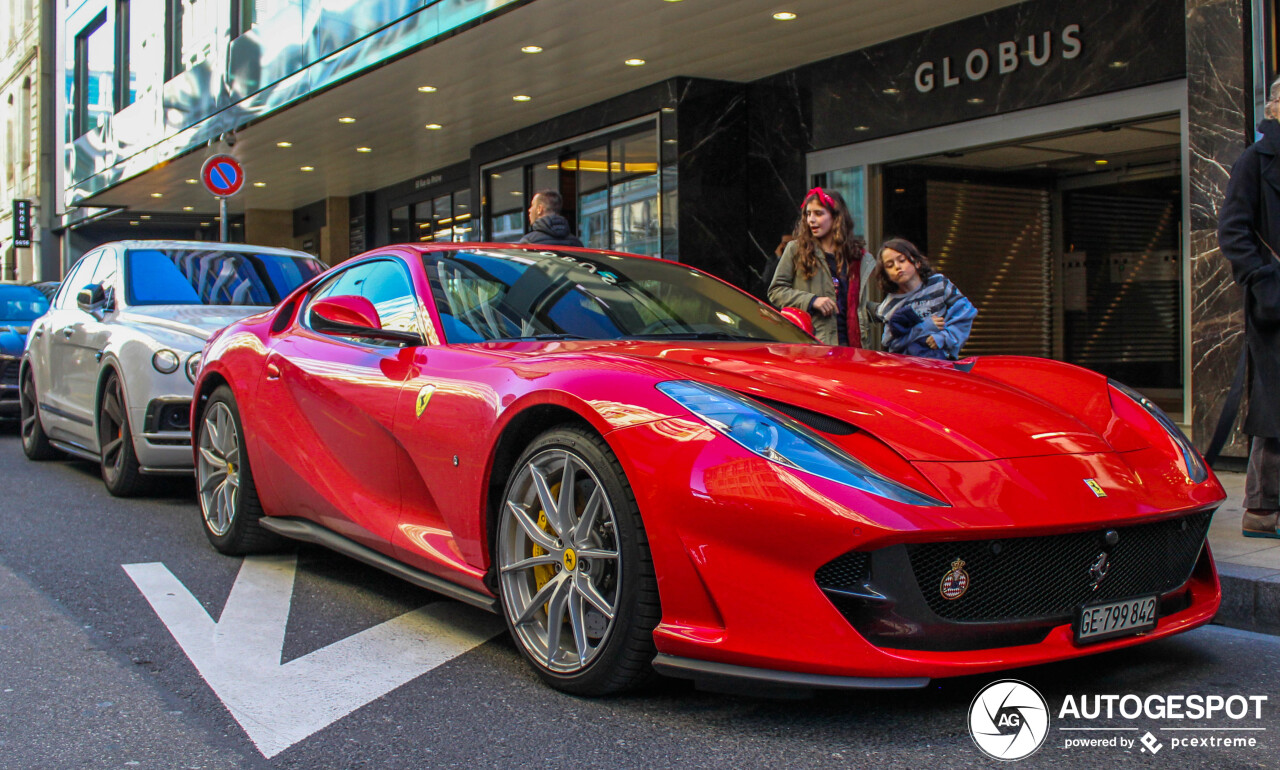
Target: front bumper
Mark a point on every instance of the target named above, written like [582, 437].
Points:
[737, 543]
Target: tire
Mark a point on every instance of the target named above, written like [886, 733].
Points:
[121, 471]
[35, 444]
[229, 509]
[599, 566]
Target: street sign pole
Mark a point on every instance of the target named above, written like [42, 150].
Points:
[223, 177]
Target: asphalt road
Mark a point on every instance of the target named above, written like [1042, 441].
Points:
[91, 677]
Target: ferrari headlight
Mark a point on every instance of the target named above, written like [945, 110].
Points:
[193, 366]
[1190, 457]
[165, 361]
[782, 440]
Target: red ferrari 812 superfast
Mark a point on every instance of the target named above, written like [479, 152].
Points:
[645, 469]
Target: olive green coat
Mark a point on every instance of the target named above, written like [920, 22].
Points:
[789, 289]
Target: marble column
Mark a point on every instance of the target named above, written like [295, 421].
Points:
[1217, 103]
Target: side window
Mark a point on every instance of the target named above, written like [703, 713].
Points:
[385, 284]
[76, 280]
[105, 273]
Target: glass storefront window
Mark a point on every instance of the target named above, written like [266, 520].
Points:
[851, 184]
[442, 218]
[400, 225]
[506, 202]
[462, 215]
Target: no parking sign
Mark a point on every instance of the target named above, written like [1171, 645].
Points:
[222, 175]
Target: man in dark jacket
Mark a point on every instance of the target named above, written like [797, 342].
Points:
[1249, 236]
[549, 228]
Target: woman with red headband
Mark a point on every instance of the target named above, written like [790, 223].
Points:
[823, 272]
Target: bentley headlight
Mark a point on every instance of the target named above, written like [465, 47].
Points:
[165, 361]
[782, 440]
[193, 366]
[1195, 466]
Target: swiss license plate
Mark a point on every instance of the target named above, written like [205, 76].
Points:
[1104, 621]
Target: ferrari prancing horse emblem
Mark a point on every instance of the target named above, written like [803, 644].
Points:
[955, 582]
[424, 396]
[1093, 484]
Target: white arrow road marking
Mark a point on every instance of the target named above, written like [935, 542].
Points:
[280, 704]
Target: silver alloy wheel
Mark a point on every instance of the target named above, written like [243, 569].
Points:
[558, 561]
[218, 469]
[111, 433]
[29, 409]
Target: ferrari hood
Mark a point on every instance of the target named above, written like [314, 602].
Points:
[199, 321]
[927, 410]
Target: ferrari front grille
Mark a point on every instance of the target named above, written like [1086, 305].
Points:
[1029, 578]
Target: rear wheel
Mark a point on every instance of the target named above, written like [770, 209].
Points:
[577, 582]
[35, 444]
[229, 506]
[121, 471]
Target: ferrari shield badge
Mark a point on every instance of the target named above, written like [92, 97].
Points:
[955, 582]
[424, 396]
[1093, 484]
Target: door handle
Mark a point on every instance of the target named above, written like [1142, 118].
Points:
[273, 372]
[67, 331]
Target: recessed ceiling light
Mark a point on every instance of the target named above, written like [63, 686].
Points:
[346, 120]
[531, 49]
[364, 149]
[191, 181]
[633, 62]
[144, 216]
[427, 89]
[259, 184]
[668, 109]
[434, 126]
[204, 224]
[188, 208]
[284, 144]
[521, 98]
[1116, 65]
[307, 168]
[133, 221]
[670, 141]
[784, 16]
[516, 192]
[976, 100]
[891, 91]
[157, 195]
[1101, 161]
[862, 128]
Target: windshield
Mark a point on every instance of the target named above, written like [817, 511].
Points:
[505, 294]
[21, 303]
[197, 277]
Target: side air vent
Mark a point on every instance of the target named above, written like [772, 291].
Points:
[819, 422]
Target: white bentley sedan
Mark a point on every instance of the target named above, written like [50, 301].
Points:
[108, 372]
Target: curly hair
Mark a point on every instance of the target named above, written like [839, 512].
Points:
[907, 249]
[847, 248]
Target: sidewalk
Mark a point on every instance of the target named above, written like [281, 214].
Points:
[1249, 567]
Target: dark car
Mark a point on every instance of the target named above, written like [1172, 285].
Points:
[19, 306]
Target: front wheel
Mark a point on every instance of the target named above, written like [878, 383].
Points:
[575, 574]
[121, 471]
[229, 507]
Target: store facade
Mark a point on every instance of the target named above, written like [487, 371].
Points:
[1062, 163]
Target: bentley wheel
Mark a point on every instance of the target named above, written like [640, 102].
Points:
[121, 471]
[229, 504]
[575, 575]
[35, 444]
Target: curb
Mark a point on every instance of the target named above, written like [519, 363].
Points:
[1250, 598]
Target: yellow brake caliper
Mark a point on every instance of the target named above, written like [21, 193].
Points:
[544, 572]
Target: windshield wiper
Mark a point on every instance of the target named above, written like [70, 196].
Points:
[539, 337]
[696, 336]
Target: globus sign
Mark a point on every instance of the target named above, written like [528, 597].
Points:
[222, 175]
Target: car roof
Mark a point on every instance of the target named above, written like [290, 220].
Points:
[243, 248]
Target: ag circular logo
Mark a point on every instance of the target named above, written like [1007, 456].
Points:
[1009, 720]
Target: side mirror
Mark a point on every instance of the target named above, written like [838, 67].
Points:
[799, 318]
[351, 316]
[92, 298]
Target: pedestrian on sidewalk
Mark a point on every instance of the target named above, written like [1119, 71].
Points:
[923, 312]
[1249, 236]
[549, 228]
[823, 270]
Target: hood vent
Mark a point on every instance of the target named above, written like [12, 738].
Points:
[819, 422]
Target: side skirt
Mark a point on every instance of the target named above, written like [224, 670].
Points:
[708, 672]
[76, 451]
[301, 529]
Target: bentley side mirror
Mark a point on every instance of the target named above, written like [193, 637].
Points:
[92, 298]
[351, 316]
